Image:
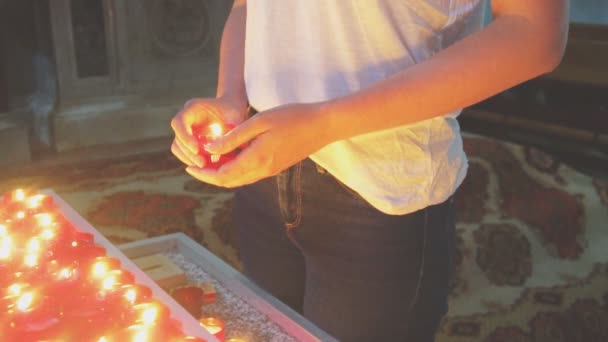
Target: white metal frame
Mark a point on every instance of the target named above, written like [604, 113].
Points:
[292, 322]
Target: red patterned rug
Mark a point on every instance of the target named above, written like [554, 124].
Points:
[532, 262]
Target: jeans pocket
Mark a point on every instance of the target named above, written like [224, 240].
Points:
[289, 183]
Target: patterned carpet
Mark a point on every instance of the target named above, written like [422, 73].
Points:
[532, 262]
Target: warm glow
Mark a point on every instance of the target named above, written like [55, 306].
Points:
[34, 201]
[15, 289]
[25, 301]
[216, 130]
[3, 230]
[148, 316]
[74, 243]
[44, 220]
[212, 325]
[33, 245]
[141, 336]
[19, 195]
[131, 295]
[100, 269]
[6, 244]
[66, 273]
[31, 260]
[20, 215]
[47, 234]
[102, 339]
[109, 282]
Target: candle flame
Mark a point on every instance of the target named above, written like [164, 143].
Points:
[216, 130]
[141, 336]
[19, 195]
[15, 289]
[109, 282]
[131, 295]
[31, 260]
[74, 243]
[33, 245]
[66, 273]
[47, 234]
[25, 301]
[34, 201]
[149, 315]
[44, 220]
[212, 325]
[6, 244]
[100, 269]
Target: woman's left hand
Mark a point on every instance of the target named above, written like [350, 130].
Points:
[278, 138]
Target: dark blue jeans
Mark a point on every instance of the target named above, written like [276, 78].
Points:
[355, 272]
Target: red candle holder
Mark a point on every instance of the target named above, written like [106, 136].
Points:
[190, 297]
[208, 134]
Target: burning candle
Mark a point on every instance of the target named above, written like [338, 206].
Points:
[102, 265]
[6, 247]
[18, 195]
[207, 134]
[135, 293]
[214, 326]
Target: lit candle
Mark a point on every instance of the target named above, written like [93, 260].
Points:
[103, 265]
[150, 313]
[214, 326]
[135, 293]
[207, 134]
[18, 195]
[6, 247]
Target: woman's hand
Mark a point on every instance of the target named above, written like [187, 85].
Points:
[279, 138]
[201, 111]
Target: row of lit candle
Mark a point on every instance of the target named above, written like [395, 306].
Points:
[55, 282]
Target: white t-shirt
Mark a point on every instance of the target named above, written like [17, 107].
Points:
[303, 51]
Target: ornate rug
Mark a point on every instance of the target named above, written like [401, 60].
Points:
[532, 258]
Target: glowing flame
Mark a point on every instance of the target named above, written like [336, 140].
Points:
[102, 339]
[20, 215]
[6, 244]
[25, 301]
[131, 295]
[148, 316]
[109, 282]
[216, 130]
[34, 201]
[19, 195]
[15, 289]
[66, 273]
[100, 269]
[44, 220]
[141, 336]
[33, 245]
[47, 234]
[31, 260]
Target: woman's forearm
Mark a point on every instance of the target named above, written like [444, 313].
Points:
[514, 48]
[231, 84]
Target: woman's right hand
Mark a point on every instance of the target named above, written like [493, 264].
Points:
[201, 112]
